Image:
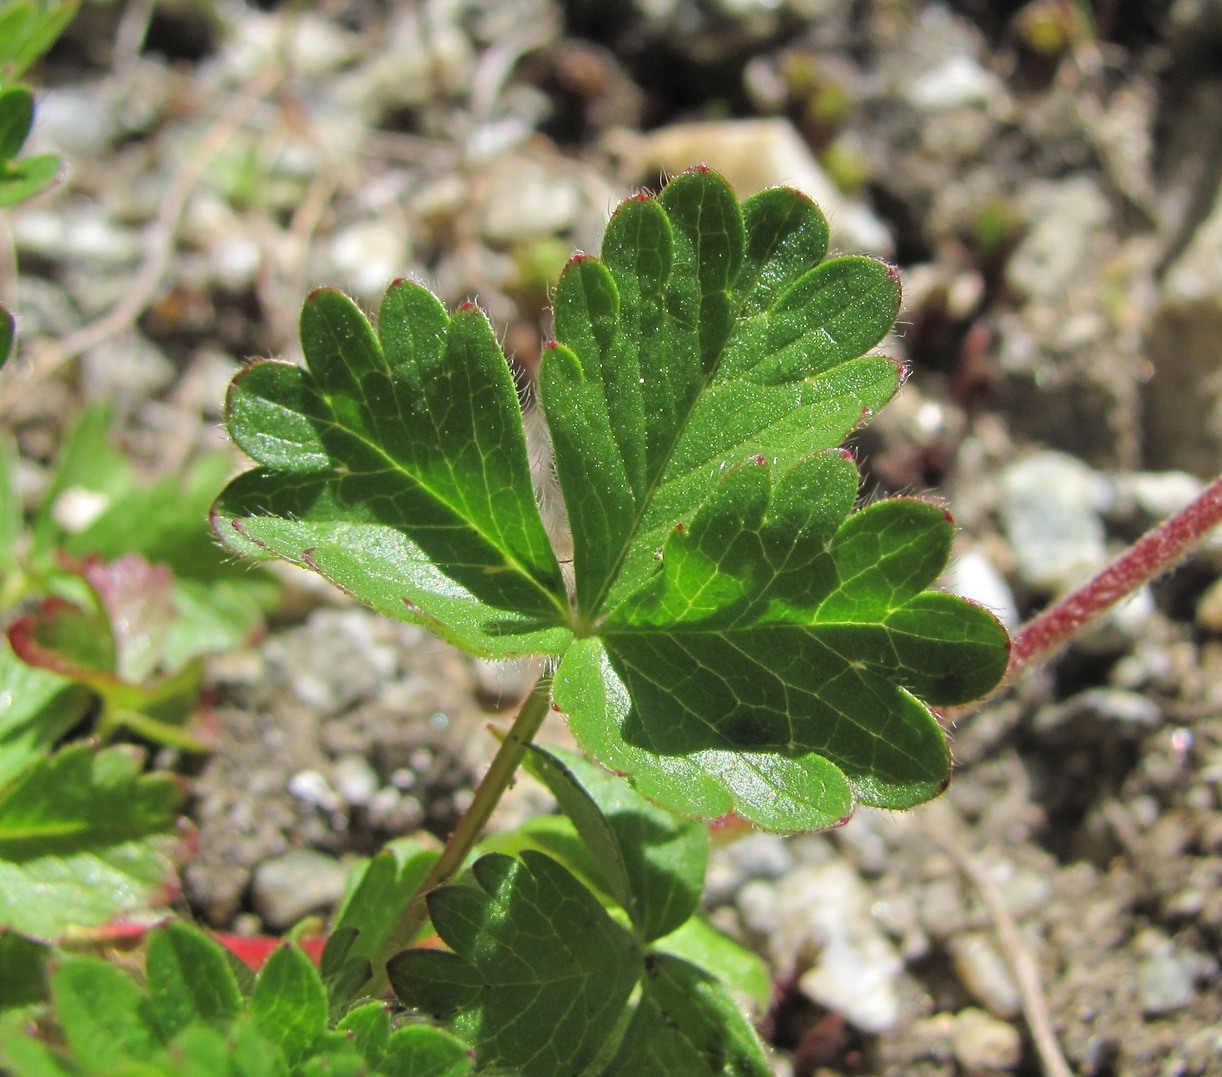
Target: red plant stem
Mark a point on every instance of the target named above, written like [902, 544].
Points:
[1153, 554]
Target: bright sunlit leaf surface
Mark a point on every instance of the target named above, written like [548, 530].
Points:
[734, 637]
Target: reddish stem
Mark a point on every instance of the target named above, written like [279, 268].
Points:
[1150, 556]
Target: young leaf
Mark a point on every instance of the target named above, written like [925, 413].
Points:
[649, 860]
[189, 981]
[82, 798]
[687, 1023]
[540, 974]
[26, 177]
[28, 29]
[289, 1003]
[421, 1051]
[367, 915]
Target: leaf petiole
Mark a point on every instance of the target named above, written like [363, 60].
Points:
[471, 826]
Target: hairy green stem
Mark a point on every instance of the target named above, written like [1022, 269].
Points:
[471, 826]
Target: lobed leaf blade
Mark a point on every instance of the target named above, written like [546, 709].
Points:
[540, 974]
[417, 429]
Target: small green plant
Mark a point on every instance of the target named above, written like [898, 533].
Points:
[118, 595]
[728, 637]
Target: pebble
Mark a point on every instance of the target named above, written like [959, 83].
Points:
[825, 911]
[1050, 511]
[982, 1043]
[313, 788]
[985, 974]
[755, 856]
[957, 82]
[368, 255]
[337, 658]
[1066, 217]
[299, 882]
[355, 779]
[526, 198]
[1167, 974]
[1209, 608]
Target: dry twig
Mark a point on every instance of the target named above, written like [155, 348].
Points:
[949, 832]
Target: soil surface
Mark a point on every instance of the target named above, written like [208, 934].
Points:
[1045, 175]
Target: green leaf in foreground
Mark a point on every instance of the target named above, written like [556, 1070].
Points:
[540, 974]
[649, 860]
[378, 892]
[84, 839]
[194, 1021]
[736, 638]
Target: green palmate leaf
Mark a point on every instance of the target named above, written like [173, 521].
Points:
[649, 860]
[686, 1022]
[540, 974]
[735, 639]
[755, 654]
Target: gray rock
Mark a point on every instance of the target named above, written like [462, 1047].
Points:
[1167, 974]
[1050, 510]
[299, 882]
[1065, 218]
[527, 197]
[825, 910]
[753, 155]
